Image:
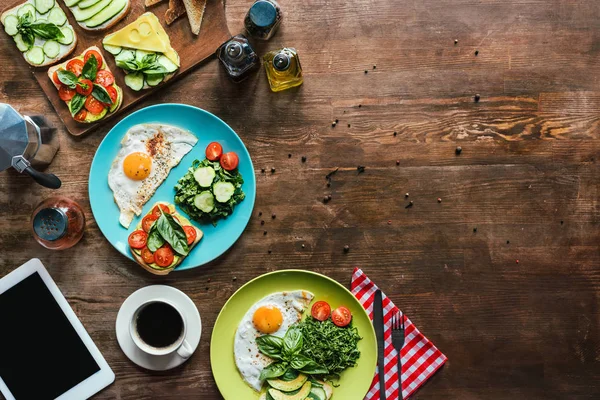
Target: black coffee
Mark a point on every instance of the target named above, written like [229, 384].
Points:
[159, 324]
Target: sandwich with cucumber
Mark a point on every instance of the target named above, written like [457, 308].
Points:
[40, 30]
[98, 15]
[87, 86]
[143, 51]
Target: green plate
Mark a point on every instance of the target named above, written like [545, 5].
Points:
[354, 383]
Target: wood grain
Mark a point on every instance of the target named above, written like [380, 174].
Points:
[528, 179]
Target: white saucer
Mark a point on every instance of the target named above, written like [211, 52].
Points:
[185, 305]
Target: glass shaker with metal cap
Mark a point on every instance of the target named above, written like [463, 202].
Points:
[263, 19]
[238, 58]
[58, 223]
[283, 69]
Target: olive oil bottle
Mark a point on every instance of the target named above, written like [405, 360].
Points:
[283, 69]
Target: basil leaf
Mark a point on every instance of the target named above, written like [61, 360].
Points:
[292, 341]
[173, 233]
[155, 68]
[155, 240]
[28, 38]
[101, 94]
[90, 69]
[77, 103]
[149, 59]
[270, 346]
[47, 30]
[67, 78]
[310, 367]
[273, 370]
[25, 19]
[290, 375]
[128, 65]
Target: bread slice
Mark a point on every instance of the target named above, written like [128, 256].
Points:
[165, 271]
[149, 3]
[176, 10]
[111, 22]
[65, 50]
[195, 12]
[104, 66]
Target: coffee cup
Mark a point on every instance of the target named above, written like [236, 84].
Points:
[158, 328]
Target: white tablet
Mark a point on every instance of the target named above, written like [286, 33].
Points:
[45, 352]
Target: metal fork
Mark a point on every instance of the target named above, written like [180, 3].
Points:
[398, 343]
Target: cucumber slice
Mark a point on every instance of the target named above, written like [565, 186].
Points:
[24, 9]
[87, 3]
[140, 54]
[11, 24]
[51, 48]
[67, 35]
[154, 79]
[119, 100]
[43, 6]
[35, 55]
[168, 64]
[21, 45]
[114, 50]
[57, 16]
[223, 191]
[124, 55]
[82, 14]
[135, 81]
[71, 3]
[319, 393]
[204, 201]
[204, 176]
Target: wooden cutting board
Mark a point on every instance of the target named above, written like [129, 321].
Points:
[192, 50]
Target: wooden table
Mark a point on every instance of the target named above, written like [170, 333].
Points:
[502, 274]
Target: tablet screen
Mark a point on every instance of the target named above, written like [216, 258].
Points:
[41, 354]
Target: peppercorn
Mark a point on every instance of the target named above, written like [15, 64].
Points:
[346, 248]
[409, 205]
[260, 213]
[476, 98]
[337, 120]
[360, 169]
[455, 41]
[474, 230]
[269, 251]
[476, 52]
[328, 197]
[458, 150]
[302, 245]
[290, 155]
[366, 72]
[406, 194]
[374, 66]
[303, 158]
[273, 216]
[273, 170]
[264, 232]
[348, 125]
[395, 133]
[325, 199]
[262, 222]
[397, 162]
[262, 170]
[333, 124]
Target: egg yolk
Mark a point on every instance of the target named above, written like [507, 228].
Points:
[267, 319]
[137, 166]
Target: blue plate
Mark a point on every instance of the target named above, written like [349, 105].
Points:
[207, 128]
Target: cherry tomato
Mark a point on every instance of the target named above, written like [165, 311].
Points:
[104, 78]
[214, 151]
[321, 310]
[190, 233]
[341, 316]
[55, 77]
[95, 54]
[81, 115]
[112, 92]
[229, 161]
[75, 66]
[147, 255]
[84, 87]
[66, 93]
[164, 257]
[148, 221]
[164, 207]
[94, 106]
[138, 239]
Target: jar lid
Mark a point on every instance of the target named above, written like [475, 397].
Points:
[50, 224]
[234, 49]
[281, 61]
[263, 13]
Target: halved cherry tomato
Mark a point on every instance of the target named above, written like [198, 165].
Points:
[112, 92]
[320, 310]
[94, 106]
[147, 255]
[229, 161]
[84, 87]
[164, 207]
[138, 239]
[164, 257]
[190, 233]
[341, 316]
[148, 221]
[55, 77]
[66, 93]
[94, 53]
[75, 66]
[104, 78]
[214, 151]
[81, 115]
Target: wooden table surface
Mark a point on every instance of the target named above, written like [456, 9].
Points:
[502, 275]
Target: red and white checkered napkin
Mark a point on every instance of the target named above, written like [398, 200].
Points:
[420, 358]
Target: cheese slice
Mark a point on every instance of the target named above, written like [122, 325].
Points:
[145, 33]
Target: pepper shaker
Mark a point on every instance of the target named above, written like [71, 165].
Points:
[238, 58]
[58, 223]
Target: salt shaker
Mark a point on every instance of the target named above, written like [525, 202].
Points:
[58, 223]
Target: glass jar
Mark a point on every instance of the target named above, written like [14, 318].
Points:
[263, 19]
[57, 223]
[283, 69]
[238, 58]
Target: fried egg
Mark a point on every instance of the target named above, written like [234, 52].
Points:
[272, 315]
[148, 153]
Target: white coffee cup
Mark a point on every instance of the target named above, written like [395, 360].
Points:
[181, 345]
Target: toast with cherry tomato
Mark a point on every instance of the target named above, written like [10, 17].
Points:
[87, 86]
[162, 239]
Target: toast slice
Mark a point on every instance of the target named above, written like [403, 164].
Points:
[195, 12]
[101, 16]
[176, 10]
[65, 49]
[154, 269]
